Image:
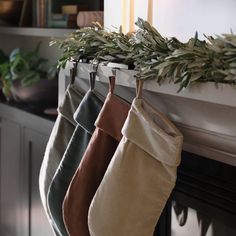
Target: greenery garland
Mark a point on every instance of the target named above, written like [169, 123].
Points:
[153, 56]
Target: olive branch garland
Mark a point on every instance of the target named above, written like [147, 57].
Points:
[153, 56]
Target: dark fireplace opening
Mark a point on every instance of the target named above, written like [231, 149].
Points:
[203, 203]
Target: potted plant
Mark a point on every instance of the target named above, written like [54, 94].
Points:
[3, 69]
[25, 79]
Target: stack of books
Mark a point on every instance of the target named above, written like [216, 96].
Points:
[56, 14]
[66, 18]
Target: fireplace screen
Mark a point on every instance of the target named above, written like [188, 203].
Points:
[186, 221]
[203, 202]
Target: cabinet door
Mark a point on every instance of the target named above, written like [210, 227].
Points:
[13, 215]
[34, 147]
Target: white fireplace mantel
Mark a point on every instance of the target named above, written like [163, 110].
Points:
[204, 113]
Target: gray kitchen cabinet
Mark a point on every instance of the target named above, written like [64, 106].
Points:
[34, 146]
[23, 138]
[10, 175]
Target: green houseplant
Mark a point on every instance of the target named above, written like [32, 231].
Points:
[4, 68]
[24, 77]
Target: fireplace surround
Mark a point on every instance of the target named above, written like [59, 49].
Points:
[203, 203]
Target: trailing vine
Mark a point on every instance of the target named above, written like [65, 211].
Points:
[155, 56]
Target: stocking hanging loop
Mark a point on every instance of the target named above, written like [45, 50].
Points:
[93, 75]
[92, 79]
[112, 80]
[73, 71]
[139, 88]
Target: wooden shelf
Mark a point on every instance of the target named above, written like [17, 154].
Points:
[38, 32]
[222, 94]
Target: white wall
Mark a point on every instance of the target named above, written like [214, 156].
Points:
[113, 12]
[181, 18]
